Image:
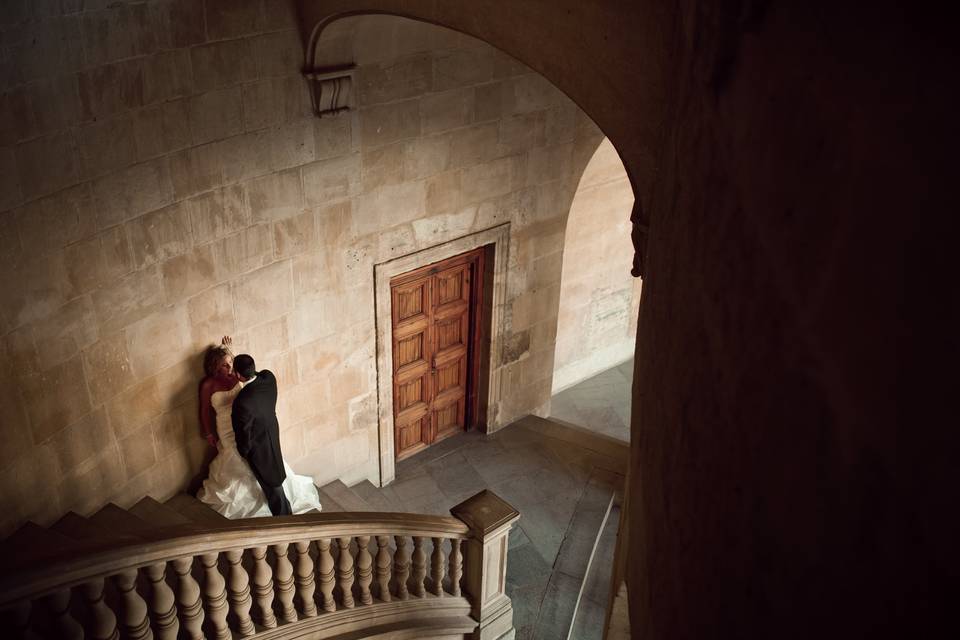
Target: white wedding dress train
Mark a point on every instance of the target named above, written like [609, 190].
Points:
[231, 488]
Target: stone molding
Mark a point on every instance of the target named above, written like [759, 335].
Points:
[499, 237]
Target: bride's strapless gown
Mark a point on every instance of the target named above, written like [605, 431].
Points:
[231, 488]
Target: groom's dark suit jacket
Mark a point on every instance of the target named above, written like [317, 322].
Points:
[257, 430]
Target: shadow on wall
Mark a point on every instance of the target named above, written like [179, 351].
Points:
[599, 299]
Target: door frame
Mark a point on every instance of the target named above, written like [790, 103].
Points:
[499, 237]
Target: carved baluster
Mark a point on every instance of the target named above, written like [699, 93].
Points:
[285, 586]
[326, 575]
[238, 592]
[383, 567]
[345, 572]
[63, 623]
[419, 567]
[401, 568]
[103, 622]
[263, 587]
[188, 599]
[215, 594]
[162, 603]
[305, 579]
[135, 622]
[16, 620]
[364, 569]
[437, 567]
[456, 566]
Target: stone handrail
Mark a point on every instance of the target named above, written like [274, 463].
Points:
[281, 577]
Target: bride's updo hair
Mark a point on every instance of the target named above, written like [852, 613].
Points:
[213, 357]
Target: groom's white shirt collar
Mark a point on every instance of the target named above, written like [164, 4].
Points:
[249, 380]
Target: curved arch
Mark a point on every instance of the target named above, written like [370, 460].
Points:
[600, 93]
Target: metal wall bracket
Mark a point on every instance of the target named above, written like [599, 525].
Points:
[331, 89]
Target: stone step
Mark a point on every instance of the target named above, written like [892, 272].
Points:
[157, 514]
[590, 615]
[74, 526]
[381, 499]
[346, 497]
[573, 559]
[196, 511]
[32, 543]
[114, 518]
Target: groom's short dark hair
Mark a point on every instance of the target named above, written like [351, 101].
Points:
[243, 364]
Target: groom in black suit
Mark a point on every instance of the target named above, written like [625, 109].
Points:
[257, 431]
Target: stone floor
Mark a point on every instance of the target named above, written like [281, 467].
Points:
[562, 489]
[600, 403]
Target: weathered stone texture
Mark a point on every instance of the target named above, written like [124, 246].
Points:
[173, 187]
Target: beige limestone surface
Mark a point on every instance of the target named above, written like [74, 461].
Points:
[599, 299]
[164, 183]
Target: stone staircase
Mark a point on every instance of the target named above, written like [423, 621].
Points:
[565, 481]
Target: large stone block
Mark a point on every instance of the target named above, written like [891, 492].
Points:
[388, 206]
[522, 132]
[82, 440]
[10, 192]
[333, 135]
[232, 18]
[111, 89]
[264, 294]
[108, 367]
[158, 341]
[275, 196]
[215, 115]
[549, 163]
[161, 129]
[128, 299]
[190, 273]
[241, 252]
[426, 156]
[137, 450]
[179, 23]
[211, 315]
[264, 341]
[57, 220]
[461, 68]
[35, 288]
[382, 166]
[116, 32]
[442, 193]
[395, 80]
[98, 260]
[245, 156]
[292, 144]
[218, 213]
[28, 488]
[196, 170]
[326, 181]
[533, 92]
[442, 228]
[273, 101]
[135, 406]
[167, 75]
[55, 398]
[446, 110]
[475, 144]
[278, 54]
[317, 359]
[223, 64]
[484, 181]
[380, 125]
[64, 333]
[106, 145]
[295, 235]
[132, 191]
[160, 234]
[47, 164]
[42, 107]
[83, 489]
[41, 48]
[316, 318]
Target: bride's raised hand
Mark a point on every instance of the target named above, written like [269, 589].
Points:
[226, 341]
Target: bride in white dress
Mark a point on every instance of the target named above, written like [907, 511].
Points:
[231, 488]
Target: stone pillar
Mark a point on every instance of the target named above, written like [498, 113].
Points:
[485, 563]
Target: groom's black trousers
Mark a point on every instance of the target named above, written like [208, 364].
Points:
[276, 498]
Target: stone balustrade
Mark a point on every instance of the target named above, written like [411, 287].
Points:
[313, 575]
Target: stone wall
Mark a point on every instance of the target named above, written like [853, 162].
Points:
[164, 183]
[599, 299]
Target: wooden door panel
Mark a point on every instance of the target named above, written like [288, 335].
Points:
[431, 316]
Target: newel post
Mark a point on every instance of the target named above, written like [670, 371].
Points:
[485, 563]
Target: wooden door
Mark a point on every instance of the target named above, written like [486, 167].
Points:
[434, 330]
